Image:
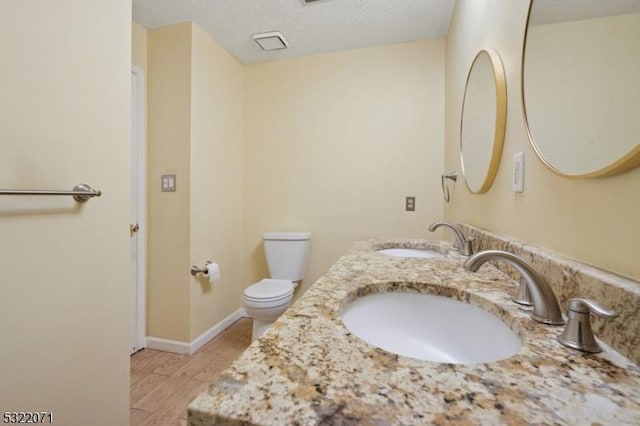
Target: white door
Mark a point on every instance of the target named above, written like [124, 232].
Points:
[137, 211]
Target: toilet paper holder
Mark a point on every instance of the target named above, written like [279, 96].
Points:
[195, 270]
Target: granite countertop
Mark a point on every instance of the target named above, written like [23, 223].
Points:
[309, 369]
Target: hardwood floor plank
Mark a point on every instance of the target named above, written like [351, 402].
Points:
[185, 413]
[163, 384]
[239, 332]
[171, 365]
[157, 398]
[217, 365]
[145, 361]
[197, 362]
[138, 417]
[144, 386]
[174, 405]
[148, 359]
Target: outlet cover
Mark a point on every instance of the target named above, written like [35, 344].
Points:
[410, 204]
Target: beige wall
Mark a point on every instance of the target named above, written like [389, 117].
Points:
[331, 144]
[169, 133]
[335, 142]
[139, 45]
[65, 107]
[591, 220]
[195, 104]
[216, 158]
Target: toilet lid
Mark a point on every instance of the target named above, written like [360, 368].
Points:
[268, 289]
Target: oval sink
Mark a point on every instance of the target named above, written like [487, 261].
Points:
[410, 252]
[430, 328]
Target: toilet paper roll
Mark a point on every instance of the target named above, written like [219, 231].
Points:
[213, 271]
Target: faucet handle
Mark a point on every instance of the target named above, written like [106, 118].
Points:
[577, 334]
[583, 306]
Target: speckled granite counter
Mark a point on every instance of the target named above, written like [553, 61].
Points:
[308, 369]
[570, 278]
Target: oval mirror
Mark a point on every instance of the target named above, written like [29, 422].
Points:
[483, 121]
[580, 86]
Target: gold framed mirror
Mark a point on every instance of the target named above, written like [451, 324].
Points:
[580, 86]
[483, 121]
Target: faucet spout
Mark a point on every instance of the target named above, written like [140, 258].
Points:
[545, 304]
[463, 244]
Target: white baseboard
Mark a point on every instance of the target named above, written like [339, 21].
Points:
[167, 345]
[178, 347]
[208, 335]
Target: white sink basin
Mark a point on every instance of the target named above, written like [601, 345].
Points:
[430, 328]
[410, 252]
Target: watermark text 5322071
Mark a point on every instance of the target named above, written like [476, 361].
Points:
[26, 417]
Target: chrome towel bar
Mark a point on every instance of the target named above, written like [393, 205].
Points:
[80, 193]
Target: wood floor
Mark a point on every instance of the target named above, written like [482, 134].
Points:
[163, 384]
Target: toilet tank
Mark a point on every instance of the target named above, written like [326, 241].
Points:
[287, 254]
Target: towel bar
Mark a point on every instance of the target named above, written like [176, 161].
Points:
[80, 193]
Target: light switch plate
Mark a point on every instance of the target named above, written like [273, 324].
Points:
[518, 172]
[168, 183]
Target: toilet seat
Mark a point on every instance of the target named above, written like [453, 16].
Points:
[268, 291]
[267, 302]
[265, 314]
[267, 299]
[269, 306]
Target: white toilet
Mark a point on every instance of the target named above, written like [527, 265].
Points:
[287, 254]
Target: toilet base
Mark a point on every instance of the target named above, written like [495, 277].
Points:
[259, 328]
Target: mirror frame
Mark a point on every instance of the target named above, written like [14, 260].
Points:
[500, 121]
[625, 163]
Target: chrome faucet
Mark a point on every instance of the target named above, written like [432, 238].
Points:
[463, 244]
[545, 304]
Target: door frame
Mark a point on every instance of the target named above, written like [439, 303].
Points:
[138, 170]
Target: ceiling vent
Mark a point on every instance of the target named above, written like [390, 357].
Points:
[271, 41]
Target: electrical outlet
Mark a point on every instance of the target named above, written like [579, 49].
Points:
[410, 204]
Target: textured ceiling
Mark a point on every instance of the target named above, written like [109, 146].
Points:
[322, 26]
[552, 11]
[334, 25]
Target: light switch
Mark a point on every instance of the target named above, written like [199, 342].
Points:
[168, 183]
[518, 172]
